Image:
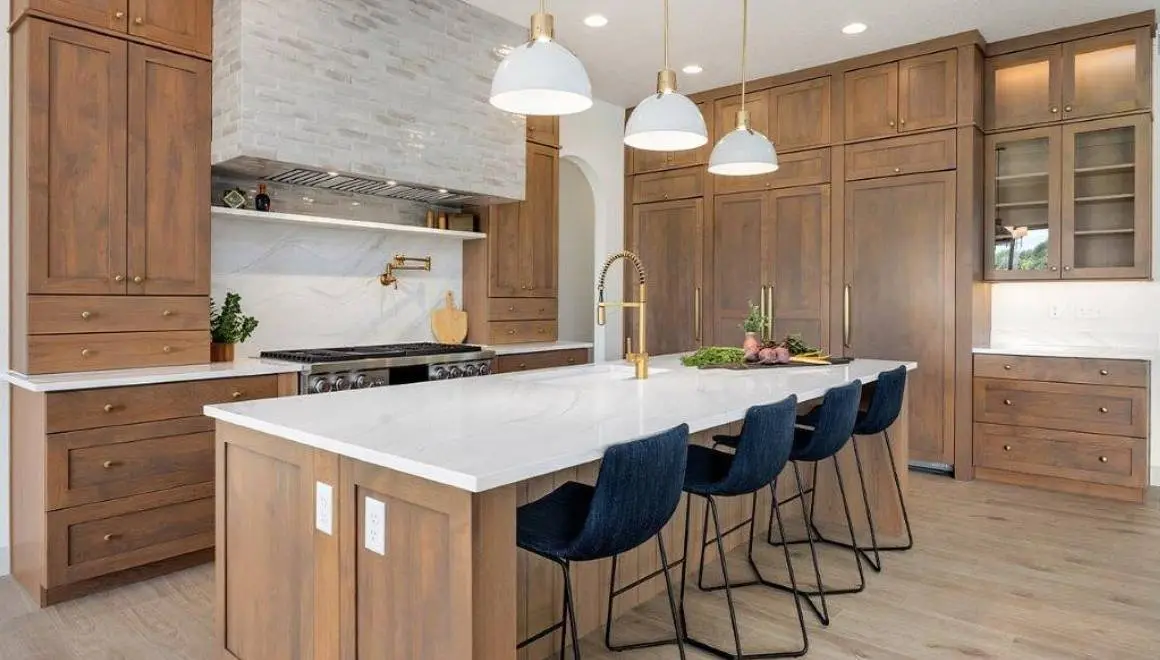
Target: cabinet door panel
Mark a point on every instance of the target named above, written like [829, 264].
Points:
[872, 102]
[1107, 74]
[76, 145]
[1024, 88]
[928, 92]
[1022, 226]
[899, 254]
[169, 135]
[544, 130]
[506, 276]
[187, 24]
[539, 222]
[668, 238]
[737, 277]
[725, 116]
[109, 14]
[796, 241]
[799, 115]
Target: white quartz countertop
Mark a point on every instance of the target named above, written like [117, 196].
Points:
[482, 433]
[1096, 352]
[539, 347]
[88, 380]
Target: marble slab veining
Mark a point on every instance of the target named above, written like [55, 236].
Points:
[482, 433]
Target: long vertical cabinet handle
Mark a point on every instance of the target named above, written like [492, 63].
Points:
[772, 311]
[846, 317]
[697, 314]
[764, 314]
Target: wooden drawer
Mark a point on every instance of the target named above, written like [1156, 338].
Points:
[521, 332]
[52, 354]
[88, 409]
[505, 364]
[97, 539]
[1081, 456]
[52, 315]
[802, 168]
[1126, 373]
[117, 461]
[522, 309]
[1102, 409]
[673, 184]
[929, 152]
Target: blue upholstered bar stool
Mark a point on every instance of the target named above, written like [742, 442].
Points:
[835, 419]
[762, 450]
[636, 493]
[883, 411]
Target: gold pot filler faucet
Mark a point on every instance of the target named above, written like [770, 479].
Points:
[640, 358]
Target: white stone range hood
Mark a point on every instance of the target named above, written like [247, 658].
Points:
[375, 90]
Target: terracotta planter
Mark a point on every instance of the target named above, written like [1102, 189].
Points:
[221, 352]
[751, 344]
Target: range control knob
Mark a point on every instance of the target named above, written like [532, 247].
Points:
[456, 372]
[484, 369]
[471, 370]
[319, 385]
[379, 382]
[341, 383]
[362, 382]
[441, 373]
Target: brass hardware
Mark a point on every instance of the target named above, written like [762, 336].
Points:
[764, 311]
[571, 360]
[639, 359]
[118, 278]
[138, 279]
[86, 352]
[1054, 110]
[112, 537]
[846, 317]
[1067, 268]
[108, 407]
[166, 349]
[898, 170]
[119, 14]
[511, 308]
[236, 395]
[139, 21]
[523, 365]
[665, 196]
[1006, 447]
[1006, 367]
[401, 262]
[1103, 372]
[1067, 108]
[1103, 459]
[1007, 402]
[511, 332]
[772, 313]
[1103, 410]
[166, 312]
[109, 465]
[1054, 268]
[86, 315]
[902, 122]
[891, 123]
[541, 330]
[697, 314]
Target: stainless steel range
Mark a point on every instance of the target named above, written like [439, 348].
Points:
[360, 367]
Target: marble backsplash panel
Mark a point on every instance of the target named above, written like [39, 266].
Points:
[319, 287]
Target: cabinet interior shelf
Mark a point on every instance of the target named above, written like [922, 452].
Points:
[1104, 232]
[1122, 167]
[1021, 205]
[1025, 175]
[1104, 198]
[339, 223]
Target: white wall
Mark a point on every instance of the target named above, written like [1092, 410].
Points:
[593, 140]
[1127, 314]
[4, 398]
[577, 292]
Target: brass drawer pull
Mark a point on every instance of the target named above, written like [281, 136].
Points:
[236, 395]
[119, 14]
[112, 537]
[523, 365]
[118, 278]
[109, 465]
[1103, 372]
[1103, 459]
[511, 332]
[1008, 402]
[541, 331]
[138, 279]
[1006, 447]
[1067, 108]
[166, 349]
[1006, 367]
[1054, 110]
[512, 308]
[139, 21]
[891, 123]
[898, 170]
[86, 352]
[86, 315]
[1103, 410]
[109, 407]
[571, 360]
[166, 312]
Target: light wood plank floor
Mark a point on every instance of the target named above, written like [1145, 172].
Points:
[998, 572]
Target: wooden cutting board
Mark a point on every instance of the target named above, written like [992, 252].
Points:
[449, 323]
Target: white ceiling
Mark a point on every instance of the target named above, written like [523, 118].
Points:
[784, 35]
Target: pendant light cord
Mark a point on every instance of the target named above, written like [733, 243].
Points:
[666, 35]
[744, 45]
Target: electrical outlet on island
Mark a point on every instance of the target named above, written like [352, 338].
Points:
[375, 526]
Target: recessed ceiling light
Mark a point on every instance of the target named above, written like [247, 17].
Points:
[854, 28]
[693, 69]
[596, 20]
[442, 191]
[390, 183]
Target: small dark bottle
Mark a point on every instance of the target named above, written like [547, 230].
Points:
[262, 200]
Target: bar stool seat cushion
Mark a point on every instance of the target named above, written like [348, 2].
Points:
[550, 525]
[706, 470]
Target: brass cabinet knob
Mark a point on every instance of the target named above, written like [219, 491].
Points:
[1006, 367]
[768, 184]
[523, 365]
[1067, 108]
[139, 21]
[511, 332]
[119, 14]
[86, 315]
[236, 395]
[108, 407]
[531, 129]
[166, 349]
[1103, 459]
[512, 308]
[571, 360]
[1054, 268]
[118, 278]
[1054, 110]
[902, 122]
[166, 312]
[1006, 447]
[541, 331]
[138, 279]
[1103, 410]
[897, 170]
[891, 123]
[86, 352]
[665, 196]
[109, 465]
[1067, 267]
[112, 537]
[1008, 402]
[1103, 372]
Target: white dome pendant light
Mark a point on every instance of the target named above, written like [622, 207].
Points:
[541, 77]
[667, 120]
[743, 151]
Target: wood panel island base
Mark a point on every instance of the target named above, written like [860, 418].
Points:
[382, 523]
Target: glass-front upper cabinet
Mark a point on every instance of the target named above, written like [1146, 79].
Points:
[1023, 205]
[1106, 199]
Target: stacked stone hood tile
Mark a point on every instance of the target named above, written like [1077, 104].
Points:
[376, 90]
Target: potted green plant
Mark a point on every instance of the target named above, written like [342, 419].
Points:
[754, 324]
[228, 326]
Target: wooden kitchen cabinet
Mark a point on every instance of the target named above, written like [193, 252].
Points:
[898, 294]
[736, 278]
[181, 24]
[669, 239]
[654, 161]
[799, 168]
[725, 114]
[543, 129]
[514, 362]
[799, 115]
[669, 184]
[1022, 225]
[523, 236]
[913, 94]
[1102, 75]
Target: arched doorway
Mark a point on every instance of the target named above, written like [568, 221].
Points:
[577, 286]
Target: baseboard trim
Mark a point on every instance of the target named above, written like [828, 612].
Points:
[5, 564]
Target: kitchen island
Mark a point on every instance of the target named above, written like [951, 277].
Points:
[381, 523]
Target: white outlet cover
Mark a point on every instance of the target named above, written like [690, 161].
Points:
[324, 508]
[375, 526]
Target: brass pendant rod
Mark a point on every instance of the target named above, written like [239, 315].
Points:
[666, 34]
[744, 45]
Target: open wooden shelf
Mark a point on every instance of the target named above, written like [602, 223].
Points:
[1103, 232]
[1122, 167]
[1104, 198]
[1021, 205]
[1021, 176]
[338, 223]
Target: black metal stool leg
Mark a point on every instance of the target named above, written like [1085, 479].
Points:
[725, 576]
[901, 500]
[704, 543]
[672, 600]
[570, 609]
[613, 592]
[876, 563]
[684, 567]
[850, 524]
[822, 613]
[789, 567]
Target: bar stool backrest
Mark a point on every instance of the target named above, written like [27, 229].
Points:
[763, 448]
[886, 404]
[637, 491]
[836, 419]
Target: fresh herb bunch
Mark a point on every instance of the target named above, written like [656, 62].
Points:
[227, 325]
[797, 345]
[713, 355]
[756, 321]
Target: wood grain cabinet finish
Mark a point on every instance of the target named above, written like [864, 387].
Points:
[799, 168]
[521, 332]
[523, 237]
[53, 354]
[506, 364]
[505, 251]
[1023, 183]
[913, 94]
[523, 309]
[182, 24]
[108, 14]
[1082, 457]
[799, 115]
[651, 161]
[669, 239]
[725, 114]
[1103, 409]
[1024, 88]
[51, 315]
[928, 152]
[544, 130]
[671, 184]
[1123, 373]
[872, 102]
